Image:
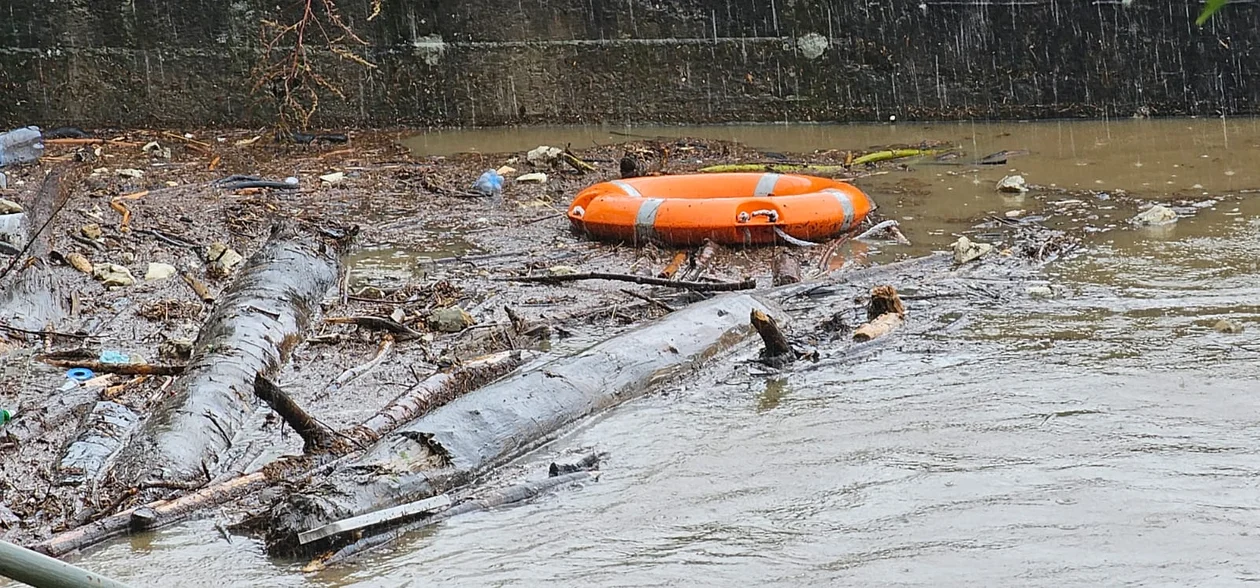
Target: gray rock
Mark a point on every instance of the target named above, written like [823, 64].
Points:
[450, 320]
[112, 275]
[966, 251]
[159, 271]
[9, 207]
[1228, 327]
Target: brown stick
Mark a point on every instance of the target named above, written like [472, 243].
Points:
[402, 332]
[777, 352]
[786, 269]
[703, 258]
[748, 284]
[648, 299]
[885, 313]
[877, 328]
[315, 435]
[198, 288]
[126, 369]
[672, 269]
[382, 351]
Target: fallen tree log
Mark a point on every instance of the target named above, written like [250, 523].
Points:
[253, 328]
[30, 299]
[447, 447]
[495, 498]
[433, 391]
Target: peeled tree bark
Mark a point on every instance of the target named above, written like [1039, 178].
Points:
[258, 321]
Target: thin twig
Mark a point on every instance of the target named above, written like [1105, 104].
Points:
[747, 284]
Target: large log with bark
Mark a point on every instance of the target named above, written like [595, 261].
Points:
[258, 320]
[449, 446]
[30, 297]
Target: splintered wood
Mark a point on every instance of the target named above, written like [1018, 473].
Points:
[884, 313]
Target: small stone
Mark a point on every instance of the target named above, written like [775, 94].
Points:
[112, 275]
[9, 207]
[1039, 291]
[562, 270]
[1012, 184]
[4, 181]
[450, 320]
[543, 155]
[155, 149]
[128, 257]
[534, 178]
[333, 178]
[92, 231]
[176, 348]
[506, 170]
[1155, 216]
[965, 250]
[1014, 213]
[79, 262]
[219, 253]
[1228, 327]
[159, 271]
[130, 173]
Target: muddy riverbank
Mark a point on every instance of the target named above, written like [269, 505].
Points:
[1110, 308]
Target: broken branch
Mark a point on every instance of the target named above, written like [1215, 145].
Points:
[747, 284]
[315, 435]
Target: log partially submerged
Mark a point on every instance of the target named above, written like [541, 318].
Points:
[257, 322]
[434, 390]
[447, 447]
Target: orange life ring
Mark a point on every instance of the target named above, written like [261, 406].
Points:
[732, 209]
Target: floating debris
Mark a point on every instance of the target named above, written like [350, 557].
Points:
[1012, 185]
[1155, 216]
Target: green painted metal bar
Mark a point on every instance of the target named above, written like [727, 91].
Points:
[39, 570]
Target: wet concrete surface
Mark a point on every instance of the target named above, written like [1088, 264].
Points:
[1100, 433]
[488, 63]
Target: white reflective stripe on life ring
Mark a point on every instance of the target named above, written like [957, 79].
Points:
[765, 185]
[846, 204]
[627, 188]
[645, 219]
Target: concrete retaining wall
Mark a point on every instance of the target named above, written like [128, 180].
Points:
[489, 62]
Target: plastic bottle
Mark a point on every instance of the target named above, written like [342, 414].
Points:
[23, 145]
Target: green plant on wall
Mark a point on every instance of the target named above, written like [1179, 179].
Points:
[1210, 7]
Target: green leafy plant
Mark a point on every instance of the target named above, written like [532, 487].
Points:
[1210, 7]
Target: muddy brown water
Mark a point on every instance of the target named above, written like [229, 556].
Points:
[1103, 436]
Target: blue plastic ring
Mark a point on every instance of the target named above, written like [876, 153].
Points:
[80, 374]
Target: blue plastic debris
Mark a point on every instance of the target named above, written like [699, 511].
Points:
[115, 357]
[80, 374]
[489, 184]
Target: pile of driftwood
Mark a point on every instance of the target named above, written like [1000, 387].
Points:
[408, 464]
